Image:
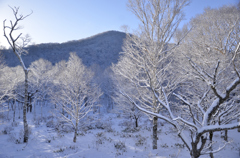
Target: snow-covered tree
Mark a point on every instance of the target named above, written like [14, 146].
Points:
[213, 107]
[213, 38]
[41, 80]
[74, 93]
[8, 83]
[18, 50]
[10, 80]
[146, 52]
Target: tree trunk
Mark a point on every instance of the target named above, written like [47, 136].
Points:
[19, 109]
[211, 155]
[155, 138]
[75, 132]
[30, 106]
[211, 137]
[75, 136]
[34, 110]
[194, 153]
[226, 135]
[136, 121]
[239, 127]
[41, 109]
[8, 109]
[25, 139]
[14, 110]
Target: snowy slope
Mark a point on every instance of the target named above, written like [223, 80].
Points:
[105, 136]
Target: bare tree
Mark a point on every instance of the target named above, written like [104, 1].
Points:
[146, 52]
[18, 50]
[74, 92]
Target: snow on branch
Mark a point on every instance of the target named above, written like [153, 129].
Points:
[209, 112]
[200, 101]
[214, 151]
[213, 128]
[146, 111]
[186, 122]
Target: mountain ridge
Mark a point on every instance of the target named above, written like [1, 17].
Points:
[101, 49]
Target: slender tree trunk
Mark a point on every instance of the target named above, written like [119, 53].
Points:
[19, 109]
[34, 110]
[25, 139]
[155, 138]
[112, 104]
[30, 105]
[8, 109]
[14, 110]
[239, 127]
[211, 137]
[75, 132]
[226, 135]
[136, 122]
[155, 119]
[41, 109]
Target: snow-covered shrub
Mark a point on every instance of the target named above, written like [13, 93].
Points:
[148, 128]
[1, 115]
[109, 139]
[7, 130]
[18, 138]
[59, 150]
[38, 120]
[48, 140]
[73, 147]
[120, 145]
[131, 129]
[99, 141]
[159, 131]
[108, 127]
[99, 125]
[100, 134]
[125, 123]
[13, 138]
[81, 134]
[164, 145]
[14, 124]
[50, 117]
[179, 145]
[50, 124]
[140, 140]
[63, 127]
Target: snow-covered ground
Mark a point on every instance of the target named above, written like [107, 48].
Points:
[102, 136]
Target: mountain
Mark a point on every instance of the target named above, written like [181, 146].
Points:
[101, 50]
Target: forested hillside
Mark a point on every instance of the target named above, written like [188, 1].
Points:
[101, 49]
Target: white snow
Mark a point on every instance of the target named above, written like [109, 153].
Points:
[101, 143]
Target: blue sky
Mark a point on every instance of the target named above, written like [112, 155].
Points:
[65, 20]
